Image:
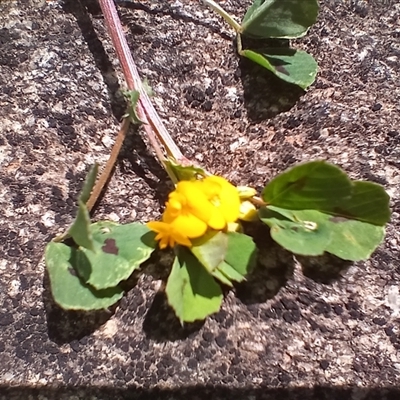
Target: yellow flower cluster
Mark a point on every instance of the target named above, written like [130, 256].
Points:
[195, 206]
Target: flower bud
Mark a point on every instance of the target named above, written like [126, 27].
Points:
[246, 192]
[248, 211]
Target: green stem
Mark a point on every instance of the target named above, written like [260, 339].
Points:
[239, 44]
[228, 18]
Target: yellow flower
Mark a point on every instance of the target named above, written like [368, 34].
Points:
[193, 207]
[168, 235]
[225, 199]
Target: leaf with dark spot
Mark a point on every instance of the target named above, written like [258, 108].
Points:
[110, 247]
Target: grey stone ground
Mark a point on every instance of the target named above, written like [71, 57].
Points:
[286, 336]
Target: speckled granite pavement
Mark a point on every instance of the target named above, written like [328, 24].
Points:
[283, 334]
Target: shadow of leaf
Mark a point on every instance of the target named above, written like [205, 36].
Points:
[162, 325]
[324, 269]
[65, 326]
[274, 268]
[265, 95]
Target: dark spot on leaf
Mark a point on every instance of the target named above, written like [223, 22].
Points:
[294, 228]
[110, 247]
[282, 69]
[338, 219]
[72, 271]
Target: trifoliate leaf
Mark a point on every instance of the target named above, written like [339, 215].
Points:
[311, 232]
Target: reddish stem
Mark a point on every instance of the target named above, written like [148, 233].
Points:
[145, 109]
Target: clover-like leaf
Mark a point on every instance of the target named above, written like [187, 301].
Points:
[293, 66]
[68, 290]
[279, 18]
[118, 251]
[315, 207]
[191, 291]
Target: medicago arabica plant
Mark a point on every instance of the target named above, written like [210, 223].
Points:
[311, 209]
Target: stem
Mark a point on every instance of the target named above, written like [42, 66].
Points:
[239, 44]
[109, 166]
[228, 18]
[145, 109]
[258, 201]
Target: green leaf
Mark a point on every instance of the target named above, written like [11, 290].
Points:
[89, 183]
[310, 232]
[185, 172]
[242, 252]
[222, 277]
[191, 291]
[315, 207]
[369, 202]
[301, 232]
[210, 249]
[80, 228]
[314, 185]
[68, 290]
[279, 18]
[293, 66]
[228, 274]
[231, 254]
[133, 97]
[353, 240]
[118, 251]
